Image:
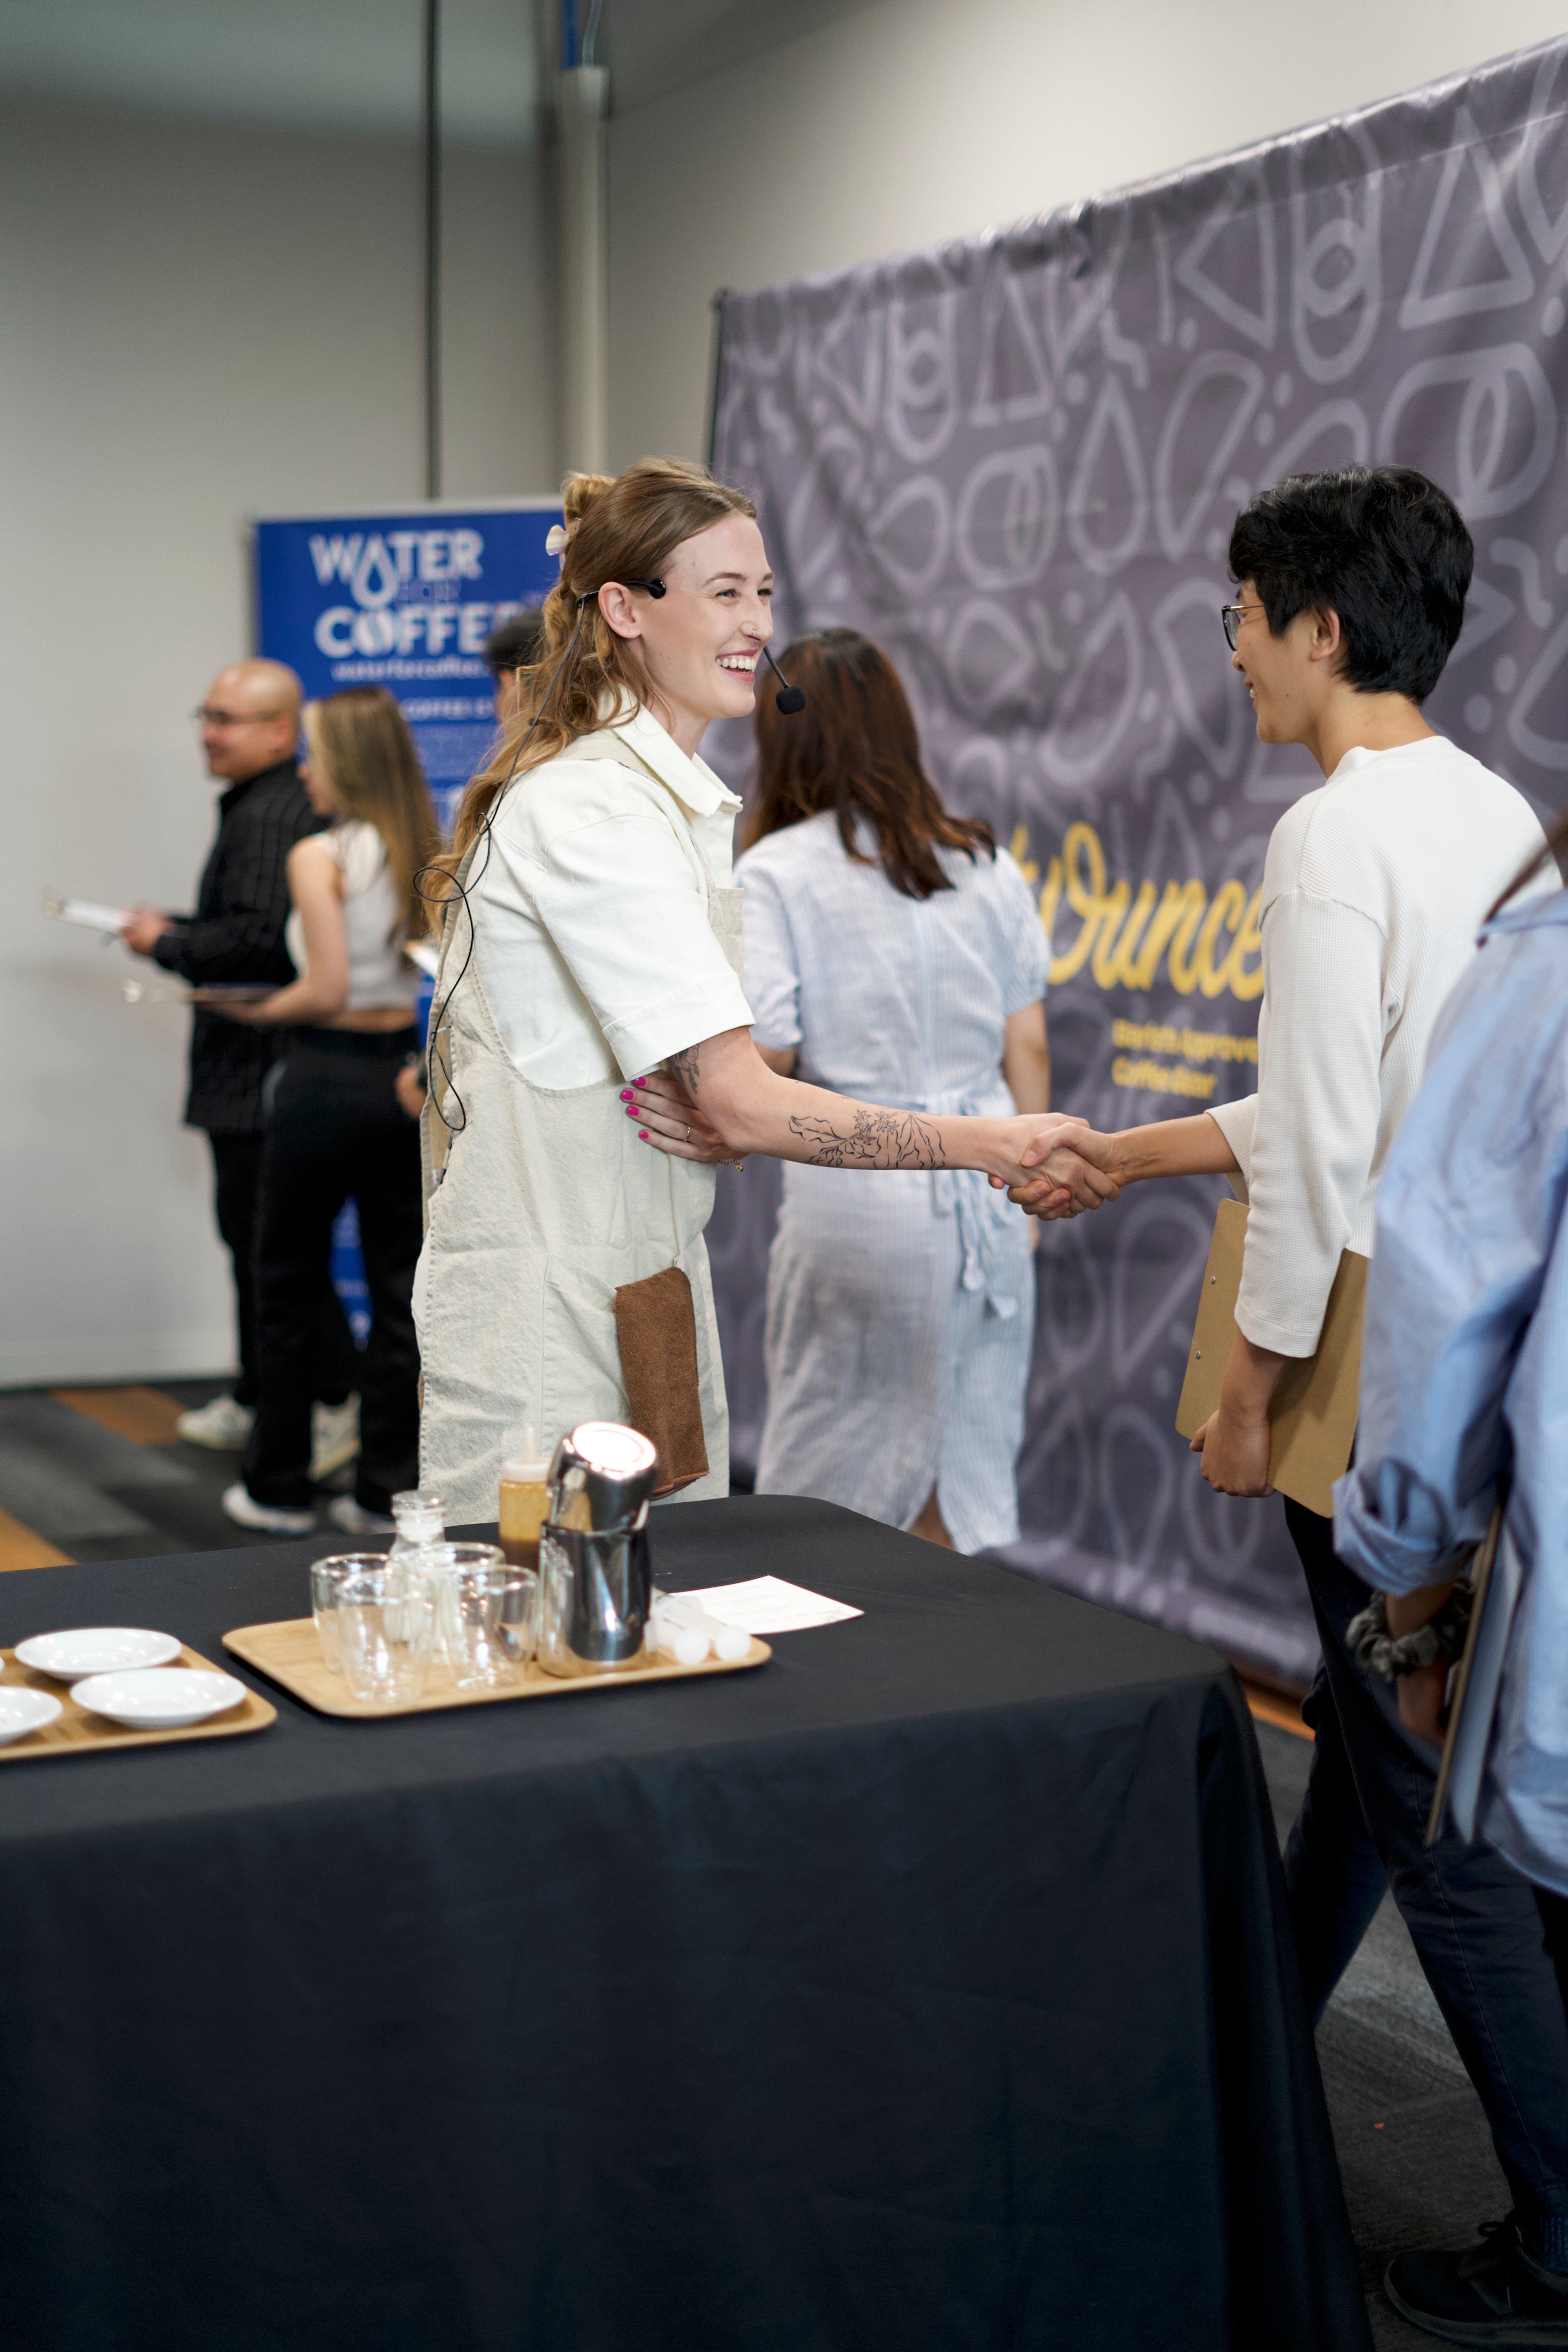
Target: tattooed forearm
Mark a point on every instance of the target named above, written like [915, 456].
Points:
[683, 1067]
[873, 1139]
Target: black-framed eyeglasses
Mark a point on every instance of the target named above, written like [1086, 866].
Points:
[205, 718]
[1230, 621]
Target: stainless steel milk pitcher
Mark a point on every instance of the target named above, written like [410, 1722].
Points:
[595, 1566]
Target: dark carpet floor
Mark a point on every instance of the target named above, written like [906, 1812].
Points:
[1414, 2149]
[99, 1495]
[1413, 2143]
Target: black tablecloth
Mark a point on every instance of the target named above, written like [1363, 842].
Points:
[921, 1990]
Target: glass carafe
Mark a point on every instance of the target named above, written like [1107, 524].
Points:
[421, 1517]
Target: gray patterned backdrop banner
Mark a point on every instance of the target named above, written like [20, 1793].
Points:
[1014, 462]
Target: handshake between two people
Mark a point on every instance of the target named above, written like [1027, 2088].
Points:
[720, 1100]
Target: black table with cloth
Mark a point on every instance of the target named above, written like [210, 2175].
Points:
[924, 1989]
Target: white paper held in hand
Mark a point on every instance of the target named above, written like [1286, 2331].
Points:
[766, 1605]
[87, 912]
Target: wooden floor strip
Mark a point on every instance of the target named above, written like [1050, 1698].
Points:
[21, 1548]
[145, 1414]
[1272, 1706]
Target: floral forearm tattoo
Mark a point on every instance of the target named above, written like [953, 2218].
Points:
[873, 1138]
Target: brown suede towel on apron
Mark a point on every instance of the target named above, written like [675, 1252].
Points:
[657, 1326]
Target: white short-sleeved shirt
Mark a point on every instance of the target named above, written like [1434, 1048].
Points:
[893, 998]
[591, 934]
[1375, 888]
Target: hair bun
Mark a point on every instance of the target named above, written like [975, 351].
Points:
[580, 491]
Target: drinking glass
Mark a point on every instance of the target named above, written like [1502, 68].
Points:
[386, 1624]
[327, 1580]
[487, 1618]
[440, 1564]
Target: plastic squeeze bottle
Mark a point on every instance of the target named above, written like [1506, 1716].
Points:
[525, 1503]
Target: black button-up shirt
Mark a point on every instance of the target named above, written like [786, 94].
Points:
[236, 935]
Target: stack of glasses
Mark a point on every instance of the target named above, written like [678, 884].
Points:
[385, 1621]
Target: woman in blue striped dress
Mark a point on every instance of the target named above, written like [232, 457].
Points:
[892, 951]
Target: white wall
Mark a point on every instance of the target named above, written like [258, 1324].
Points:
[917, 120]
[199, 322]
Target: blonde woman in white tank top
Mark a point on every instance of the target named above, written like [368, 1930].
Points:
[337, 1130]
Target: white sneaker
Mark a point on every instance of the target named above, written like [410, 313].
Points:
[355, 1521]
[334, 1436]
[267, 1520]
[223, 1425]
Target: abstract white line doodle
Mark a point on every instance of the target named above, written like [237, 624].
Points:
[1243, 220]
[1008, 512]
[1098, 489]
[922, 406]
[1337, 265]
[1483, 230]
[1488, 408]
[1235, 386]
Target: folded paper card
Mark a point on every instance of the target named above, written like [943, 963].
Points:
[1311, 1420]
[767, 1605]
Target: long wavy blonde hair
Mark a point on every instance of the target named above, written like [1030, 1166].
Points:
[361, 738]
[624, 527]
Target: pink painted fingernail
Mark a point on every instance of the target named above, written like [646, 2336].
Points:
[642, 1135]
[626, 1094]
[639, 1082]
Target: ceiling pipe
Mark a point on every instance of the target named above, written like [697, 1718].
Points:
[430, 160]
[582, 108]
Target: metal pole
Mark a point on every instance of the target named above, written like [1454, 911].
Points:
[714, 370]
[582, 100]
[429, 140]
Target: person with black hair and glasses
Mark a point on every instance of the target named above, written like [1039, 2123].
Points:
[1352, 590]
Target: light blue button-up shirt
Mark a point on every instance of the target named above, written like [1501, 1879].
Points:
[1464, 1372]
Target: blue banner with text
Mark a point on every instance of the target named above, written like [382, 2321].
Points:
[405, 599]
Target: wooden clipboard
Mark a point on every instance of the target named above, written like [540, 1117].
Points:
[1313, 1416]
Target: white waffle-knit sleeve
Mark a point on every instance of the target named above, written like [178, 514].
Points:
[1314, 1130]
[1235, 1121]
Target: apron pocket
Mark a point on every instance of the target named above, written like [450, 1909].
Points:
[656, 1325]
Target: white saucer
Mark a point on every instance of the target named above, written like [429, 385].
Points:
[95, 1650]
[160, 1698]
[22, 1711]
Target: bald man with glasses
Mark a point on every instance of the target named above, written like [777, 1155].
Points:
[250, 730]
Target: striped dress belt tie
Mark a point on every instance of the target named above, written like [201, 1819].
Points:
[986, 1218]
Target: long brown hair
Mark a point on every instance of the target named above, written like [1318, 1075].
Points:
[361, 740]
[625, 528]
[854, 750]
[1553, 848]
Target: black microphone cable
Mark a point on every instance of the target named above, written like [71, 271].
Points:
[436, 1062]
[790, 700]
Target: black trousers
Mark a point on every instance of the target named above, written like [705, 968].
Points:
[236, 1196]
[337, 1130]
[1487, 1941]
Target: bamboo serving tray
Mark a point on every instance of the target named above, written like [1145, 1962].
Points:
[75, 1732]
[289, 1652]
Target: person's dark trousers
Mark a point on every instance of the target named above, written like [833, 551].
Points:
[338, 1130]
[236, 1191]
[1478, 1929]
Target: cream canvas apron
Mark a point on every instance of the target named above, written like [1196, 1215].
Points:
[539, 1205]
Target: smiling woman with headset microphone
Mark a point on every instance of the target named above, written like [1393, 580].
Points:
[594, 935]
